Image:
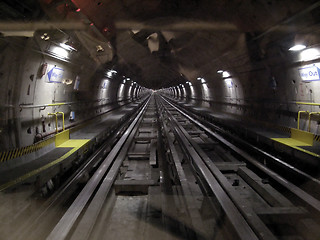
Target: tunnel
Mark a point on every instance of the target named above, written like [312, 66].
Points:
[135, 119]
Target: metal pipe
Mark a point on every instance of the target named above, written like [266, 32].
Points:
[55, 114]
[62, 119]
[43, 106]
[299, 117]
[46, 105]
[34, 26]
[307, 103]
[309, 119]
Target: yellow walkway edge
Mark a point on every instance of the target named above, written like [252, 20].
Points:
[299, 139]
[62, 140]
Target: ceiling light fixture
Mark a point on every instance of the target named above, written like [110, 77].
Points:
[45, 37]
[229, 82]
[111, 72]
[201, 79]
[99, 48]
[297, 47]
[67, 46]
[225, 74]
[309, 54]
[60, 52]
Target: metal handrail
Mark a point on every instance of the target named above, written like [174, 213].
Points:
[62, 119]
[55, 114]
[308, 103]
[43, 106]
[299, 113]
[309, 119]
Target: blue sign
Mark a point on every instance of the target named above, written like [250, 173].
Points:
[55, 75]
[309, 73]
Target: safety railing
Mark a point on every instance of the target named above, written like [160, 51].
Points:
[309, 119]
[44, 106]
[299, 117]
[56, 115]
[308, 103]
[18, 152]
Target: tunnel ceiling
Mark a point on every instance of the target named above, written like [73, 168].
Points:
[163, 43]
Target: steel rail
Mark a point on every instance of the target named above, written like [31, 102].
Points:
[63, 227]
[298, 192]
[238, 222]
[265, 154]
[66, 188]
[315, 182]
[88, 220]
[244, 208]
[185, 186]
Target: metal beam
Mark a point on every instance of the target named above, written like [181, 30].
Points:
[7, 27]
[177, 26]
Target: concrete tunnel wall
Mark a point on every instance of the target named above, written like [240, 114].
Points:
[259, 90]
[26, 90]
[251, 80]
[267, 94]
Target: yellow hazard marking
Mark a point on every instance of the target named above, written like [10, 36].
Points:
[299, 139]
[63, 142]
[317, 138]
[74, 143]
[62, 137]
[291, 142]
[18, 152]
[308, 152]
[303, 136]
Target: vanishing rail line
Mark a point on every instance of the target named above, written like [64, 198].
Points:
[264, 199]
[170, 176]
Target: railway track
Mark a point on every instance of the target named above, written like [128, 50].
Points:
[270, 205]
[170, 176]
